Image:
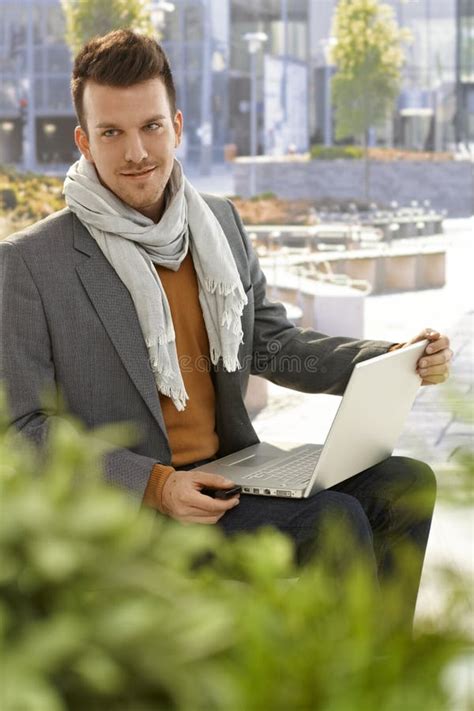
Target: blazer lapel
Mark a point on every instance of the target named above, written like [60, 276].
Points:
[114, 305]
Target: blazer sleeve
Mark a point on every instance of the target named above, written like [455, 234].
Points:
[27, 372]
[297, 358]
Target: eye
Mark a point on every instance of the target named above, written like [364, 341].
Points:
[154, 126]
[110, 132]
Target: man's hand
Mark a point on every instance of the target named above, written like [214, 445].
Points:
[181, 498]
[433, 365]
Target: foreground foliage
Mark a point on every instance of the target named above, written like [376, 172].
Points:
[106, 606]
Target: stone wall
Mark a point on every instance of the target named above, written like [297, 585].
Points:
[449, 185]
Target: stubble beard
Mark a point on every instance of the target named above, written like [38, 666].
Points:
[145, 196]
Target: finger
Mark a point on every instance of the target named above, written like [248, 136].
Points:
[200, 519]
[186, 512]
[437, 359]
[437, 345]
[429, 333]
[207, 503]
[215, 481]
[435, 379]
[435, 370]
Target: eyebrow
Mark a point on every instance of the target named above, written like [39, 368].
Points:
[158, 117]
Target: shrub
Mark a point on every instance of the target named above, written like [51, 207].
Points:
[8, 199]
[319, 152]
[263, 196]
[31, 196]
[105, 607]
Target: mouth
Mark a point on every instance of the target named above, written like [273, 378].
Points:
[142, 175]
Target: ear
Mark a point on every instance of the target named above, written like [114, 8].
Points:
[178, 128]
[82, 142]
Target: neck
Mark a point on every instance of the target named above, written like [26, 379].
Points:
[155, 212]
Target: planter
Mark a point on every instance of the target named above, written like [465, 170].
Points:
[448, 185]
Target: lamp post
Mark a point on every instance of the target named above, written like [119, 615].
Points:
[284, 21]
[27, 102]
[326, 46]
[255, 41]
[205, 129]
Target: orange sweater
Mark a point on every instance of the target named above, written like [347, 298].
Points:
[191, 433]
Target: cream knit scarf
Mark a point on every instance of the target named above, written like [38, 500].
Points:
[132, 243]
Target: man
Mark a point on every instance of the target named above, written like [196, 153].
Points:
[143, 301]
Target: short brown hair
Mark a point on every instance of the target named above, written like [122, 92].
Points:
[120, 58]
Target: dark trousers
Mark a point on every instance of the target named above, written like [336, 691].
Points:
[383, 508]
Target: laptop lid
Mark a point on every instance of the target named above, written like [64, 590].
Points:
[370, 418]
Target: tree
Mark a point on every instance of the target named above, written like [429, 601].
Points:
[368, 54]
[87, 18]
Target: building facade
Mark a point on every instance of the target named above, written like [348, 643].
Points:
[210, 60]
[216, 74]
[35, 68]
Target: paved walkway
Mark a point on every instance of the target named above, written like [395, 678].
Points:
[433, 432]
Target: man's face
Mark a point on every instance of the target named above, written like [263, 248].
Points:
[131, 141]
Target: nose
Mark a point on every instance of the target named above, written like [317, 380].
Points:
[135, 150]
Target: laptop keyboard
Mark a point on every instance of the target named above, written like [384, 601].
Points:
[293, 470]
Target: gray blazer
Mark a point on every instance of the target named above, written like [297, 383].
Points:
[67, 322]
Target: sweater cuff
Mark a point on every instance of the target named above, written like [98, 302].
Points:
[154, 489]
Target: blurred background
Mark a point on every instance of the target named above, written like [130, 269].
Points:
[214, 67]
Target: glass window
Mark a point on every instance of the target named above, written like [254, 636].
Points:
[466, 40]
[58, 59]
[193, 52]
[8, 95]
[193, 22]
[38, 13]
[192, 120]
[39, 94]
[58, 94]
[54, 25]
[38, 55]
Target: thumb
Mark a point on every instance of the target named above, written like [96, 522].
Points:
[427, 333]
[214, 480]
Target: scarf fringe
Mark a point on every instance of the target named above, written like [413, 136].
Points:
[231, 363]
[222, 289]
[166, 383]
[231, 320]
[159, 366]
[161, 339]
[179, 397]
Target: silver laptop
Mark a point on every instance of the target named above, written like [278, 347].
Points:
[368, 422]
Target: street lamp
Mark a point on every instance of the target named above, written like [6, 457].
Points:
[255, 42]
[327, 46]
[50, 129]
[27, 108]
[7, 126]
